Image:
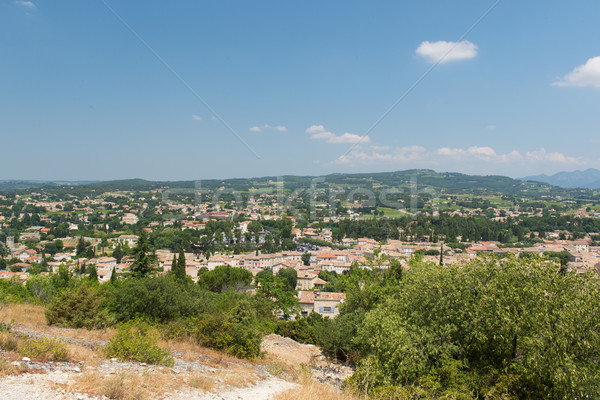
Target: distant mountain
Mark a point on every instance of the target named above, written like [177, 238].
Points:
[448, 182]
[588, 179]
[14, 184]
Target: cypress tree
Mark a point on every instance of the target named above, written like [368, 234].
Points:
[92, 273]
[174, 263]
[180, 271]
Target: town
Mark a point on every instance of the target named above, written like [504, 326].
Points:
[317, 235]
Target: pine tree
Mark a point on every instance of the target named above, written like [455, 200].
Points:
[144, 259]
[442, 254]
[113, 276]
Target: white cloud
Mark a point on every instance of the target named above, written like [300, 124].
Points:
[542, 155]
[315, 129]
[474, 154]
[479, 153]
[402, 155]
[491, 127]
[318, 132]
[442, 52]
[27, 4]
[584, 75]
[278, 128]
[197, 117]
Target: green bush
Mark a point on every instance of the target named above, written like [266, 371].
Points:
[137, 341]
[12, 291]
[79, 308]
[217, 332]
[44, 349]
[485, 329]
[160, 299]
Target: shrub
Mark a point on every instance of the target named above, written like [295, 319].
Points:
[137, 341]
[40, 288]
[216, 332]
[160, 299]
[44, 349]
[79, 308]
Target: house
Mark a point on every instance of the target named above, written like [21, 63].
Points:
[309, 280]
[130, 240]
[129, 219]
[324, 303]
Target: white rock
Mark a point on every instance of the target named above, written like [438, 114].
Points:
[26, 359]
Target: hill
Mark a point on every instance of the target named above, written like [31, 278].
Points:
[588, 179]
[403, 181]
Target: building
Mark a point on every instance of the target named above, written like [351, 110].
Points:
[324, 303]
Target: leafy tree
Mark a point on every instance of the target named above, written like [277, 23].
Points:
[275, 288]
[290, 277]
[59, 244]
[306, 258]
[4, 251]
[510, 328]
[118, 253]
[159, 298]
[225, 277]
[41, 288]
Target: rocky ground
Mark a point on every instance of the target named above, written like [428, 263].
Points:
[203, 377]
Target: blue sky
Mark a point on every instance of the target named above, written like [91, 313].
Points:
[296, 88]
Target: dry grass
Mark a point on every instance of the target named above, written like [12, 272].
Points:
[201, 382]
[309, 389]
[104, 335]
[316, 391]
[89, 357]
[28, 314]
[238, 378]
[127, 386]
[7, 368]
[190, 351]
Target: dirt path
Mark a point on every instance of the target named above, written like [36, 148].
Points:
[58, 380]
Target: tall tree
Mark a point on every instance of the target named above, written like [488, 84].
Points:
[92, 273]
[174, 264]
[306, 258]
[180, 271]
[118, 253]
[80, 246]
[144, 258]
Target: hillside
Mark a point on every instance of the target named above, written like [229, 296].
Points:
[588, 179]
[449, 182]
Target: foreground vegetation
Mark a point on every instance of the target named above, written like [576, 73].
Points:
[491, 328]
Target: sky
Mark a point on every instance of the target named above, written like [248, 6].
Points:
[107, 89]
